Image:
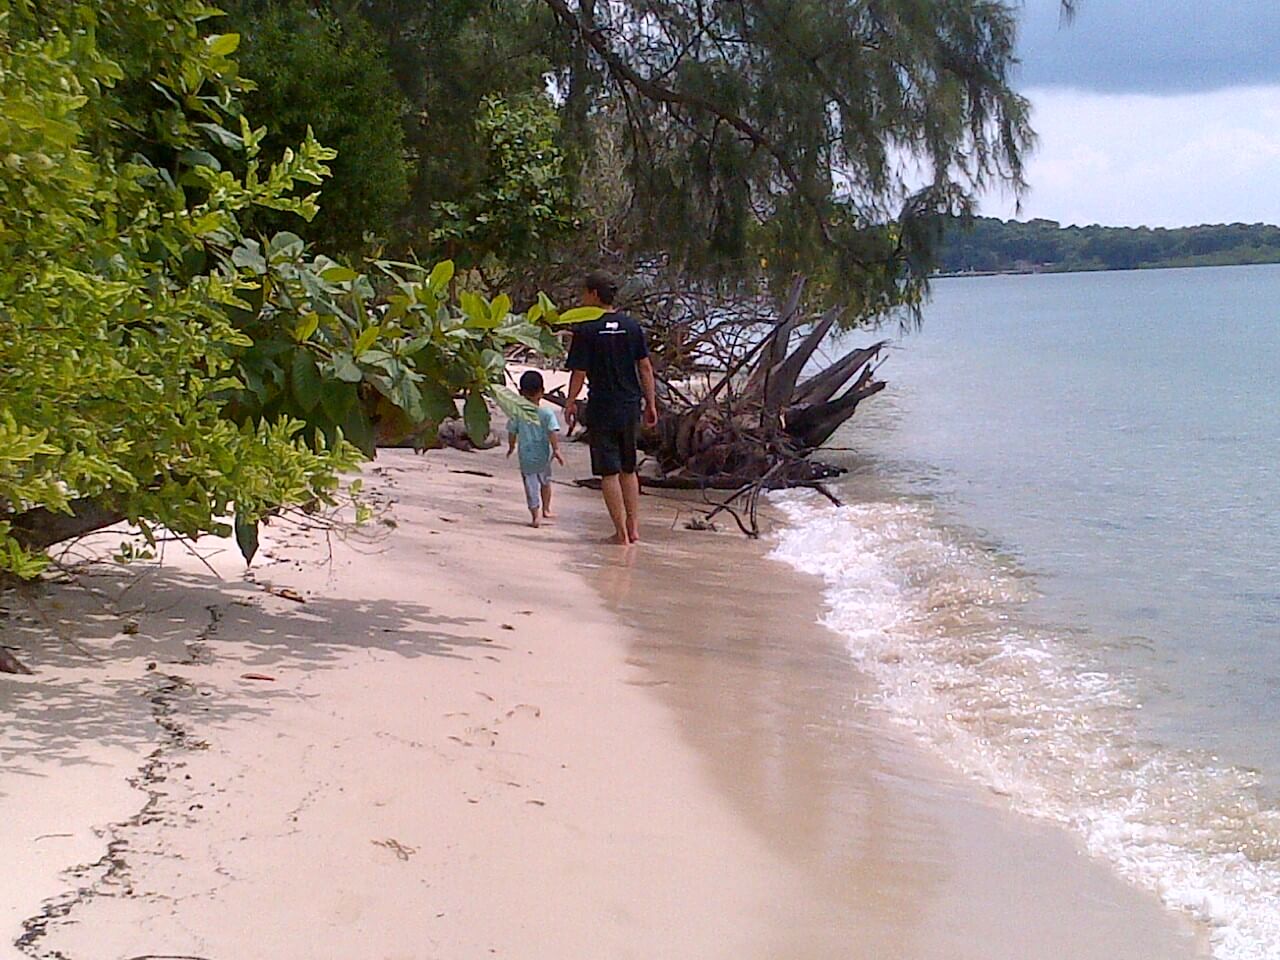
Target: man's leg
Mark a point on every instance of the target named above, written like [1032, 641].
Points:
[631, 505]
[611, 487]
[630, 479]
[606, 464]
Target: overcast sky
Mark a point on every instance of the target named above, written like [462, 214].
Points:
[1157, 112]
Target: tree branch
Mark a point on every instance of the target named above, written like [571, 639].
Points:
[585, 26]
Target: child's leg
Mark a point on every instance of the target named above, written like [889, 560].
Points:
[546, 498]
[533, 497]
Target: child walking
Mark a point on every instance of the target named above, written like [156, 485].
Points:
[539, 442]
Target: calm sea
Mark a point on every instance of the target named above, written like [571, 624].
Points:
[1060, 555]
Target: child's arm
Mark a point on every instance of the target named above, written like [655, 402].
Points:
[511, 441]
[554, 436]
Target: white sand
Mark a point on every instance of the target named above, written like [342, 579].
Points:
[464, 751]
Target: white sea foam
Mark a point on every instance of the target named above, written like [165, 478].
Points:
[936, 620]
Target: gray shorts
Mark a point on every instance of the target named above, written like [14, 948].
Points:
[533, 484]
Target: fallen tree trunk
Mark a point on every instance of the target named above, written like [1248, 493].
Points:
[759, 423]
[39, 529]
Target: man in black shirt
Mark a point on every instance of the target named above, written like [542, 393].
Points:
[612, 355]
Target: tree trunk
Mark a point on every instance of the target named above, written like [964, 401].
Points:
[40, 528]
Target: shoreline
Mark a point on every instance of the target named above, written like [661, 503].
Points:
[664, 755]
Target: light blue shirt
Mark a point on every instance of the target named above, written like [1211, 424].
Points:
[534, 440]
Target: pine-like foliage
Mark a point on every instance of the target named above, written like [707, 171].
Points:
[820, 135]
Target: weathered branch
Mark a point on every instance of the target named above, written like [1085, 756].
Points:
[825, 385]
[782, 379]
[11, 664]
[40, 528]
[814, 425]
[777, 343]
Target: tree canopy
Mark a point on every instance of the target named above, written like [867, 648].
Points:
[756, 139]
[313, 69]
[811, 134]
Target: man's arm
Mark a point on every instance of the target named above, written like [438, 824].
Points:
[576, 379]
[644, 366]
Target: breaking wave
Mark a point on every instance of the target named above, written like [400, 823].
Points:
[940, 622]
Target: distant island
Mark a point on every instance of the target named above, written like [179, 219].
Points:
[990, 245]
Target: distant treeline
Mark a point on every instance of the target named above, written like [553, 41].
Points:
[986, 244]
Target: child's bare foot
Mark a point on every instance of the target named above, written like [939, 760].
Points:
[537, 518]
[616, 541]
[548, 515]
[633, 536]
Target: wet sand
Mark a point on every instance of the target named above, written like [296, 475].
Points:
[900, 855]
[480, 740]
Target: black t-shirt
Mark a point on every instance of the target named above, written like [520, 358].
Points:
[607, 351]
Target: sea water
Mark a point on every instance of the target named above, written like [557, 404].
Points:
[1059, 555]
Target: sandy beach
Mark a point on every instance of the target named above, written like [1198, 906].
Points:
[452, 736]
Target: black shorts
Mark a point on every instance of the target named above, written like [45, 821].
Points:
[613, 449]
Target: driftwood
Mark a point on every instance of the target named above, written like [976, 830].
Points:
[11, 664]
[760, 423]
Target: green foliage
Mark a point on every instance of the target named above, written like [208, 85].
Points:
[156, 362]
[353, 356]
[314, 68]
[448, 57]
[521, 205]
[985, 244]
[116, 344]
[822, 136]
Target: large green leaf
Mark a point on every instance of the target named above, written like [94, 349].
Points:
[285, 246]
[437, 402]
[249, 256]
[441, 274]
[304, 379]
[307, 325]
[476, 311]
[366, 339]
[246, 537]
[345, 368]
[499, 309]
[475, 414]
[336, 400]
[357, 428]
[223, 44]
[514, 405]
[199, 158]
[339, 274]
[221, 135]
[580, 315]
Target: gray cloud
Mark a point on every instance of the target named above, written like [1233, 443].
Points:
[1151, 46]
